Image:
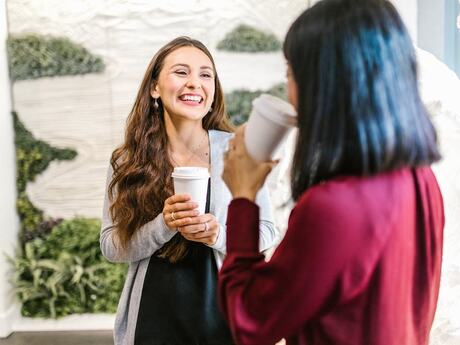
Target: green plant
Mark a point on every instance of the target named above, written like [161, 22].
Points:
[34, 56]
[29, 215]
[32, 157]
[65, 273]
[239, 102]
[248, 39]
[41, 231]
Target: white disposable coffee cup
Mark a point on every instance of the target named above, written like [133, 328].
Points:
[194, 182]
[269, 124]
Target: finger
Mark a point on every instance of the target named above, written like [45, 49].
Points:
[177, 198]
[180, 223]
[271, 164]
[274, 163]
[185, 214]
[265, 169]
[239, 133]
[202, 219]
[239, 143]
[199, 236]
[193, 229]
[188, 237]
[182, 206]
[242, 130]
[204, 235]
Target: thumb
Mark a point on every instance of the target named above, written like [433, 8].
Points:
[268, 166]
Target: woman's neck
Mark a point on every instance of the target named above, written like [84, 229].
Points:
[187, 141]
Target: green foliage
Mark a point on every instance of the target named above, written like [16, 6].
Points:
[65, 273]
[35, 56]
[247, 39]
[60, 269]
[33, 156]
[239, 102]
[74, 236]
[41, 230]
[29, 215]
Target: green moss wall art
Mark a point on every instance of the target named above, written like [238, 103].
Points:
[245, 38]
[35, 56]
[59, 269]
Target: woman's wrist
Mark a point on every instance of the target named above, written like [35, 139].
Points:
[245, 194]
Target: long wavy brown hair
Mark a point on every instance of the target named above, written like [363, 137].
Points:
[141, 179]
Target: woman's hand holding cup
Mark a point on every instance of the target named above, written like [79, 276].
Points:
[203, 228]
[181, 214]
[242, 174]
[178, 210]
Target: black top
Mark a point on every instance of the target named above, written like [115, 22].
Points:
[179, 304]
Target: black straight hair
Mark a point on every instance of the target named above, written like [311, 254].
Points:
[359, 108]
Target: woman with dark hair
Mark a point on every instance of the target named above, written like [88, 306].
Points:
[360, 262]
[178, 119]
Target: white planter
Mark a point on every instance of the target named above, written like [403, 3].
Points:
[77, 322]
[12, 321]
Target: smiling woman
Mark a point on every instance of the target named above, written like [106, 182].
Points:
[173, 251]
[186, 90]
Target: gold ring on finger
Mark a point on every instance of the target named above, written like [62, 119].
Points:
[206, 228]
[172, 216]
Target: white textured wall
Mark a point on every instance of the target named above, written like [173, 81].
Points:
[8, 218]
[408, 10]
[431, 36]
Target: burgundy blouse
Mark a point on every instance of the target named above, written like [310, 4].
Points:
[359, 264]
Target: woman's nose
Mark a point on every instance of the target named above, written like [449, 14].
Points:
[193, 82]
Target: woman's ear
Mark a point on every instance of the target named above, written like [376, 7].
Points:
[154, 92]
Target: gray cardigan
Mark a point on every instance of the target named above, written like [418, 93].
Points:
[153, 235]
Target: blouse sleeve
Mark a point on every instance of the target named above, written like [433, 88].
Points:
[147, 239]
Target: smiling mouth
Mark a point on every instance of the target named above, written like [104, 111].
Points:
[190, 98]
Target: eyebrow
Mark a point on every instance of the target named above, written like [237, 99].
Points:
[185, 65]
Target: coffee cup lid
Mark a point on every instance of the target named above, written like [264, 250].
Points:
[190, 172]
[276, 109]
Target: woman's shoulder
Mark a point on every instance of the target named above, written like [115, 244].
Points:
[358, 197]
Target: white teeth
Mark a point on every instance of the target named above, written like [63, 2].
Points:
[191, 98]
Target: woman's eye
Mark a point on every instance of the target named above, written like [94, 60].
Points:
[181, 72]
[206, 75]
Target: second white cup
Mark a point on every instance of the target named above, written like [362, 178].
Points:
[270, 121]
